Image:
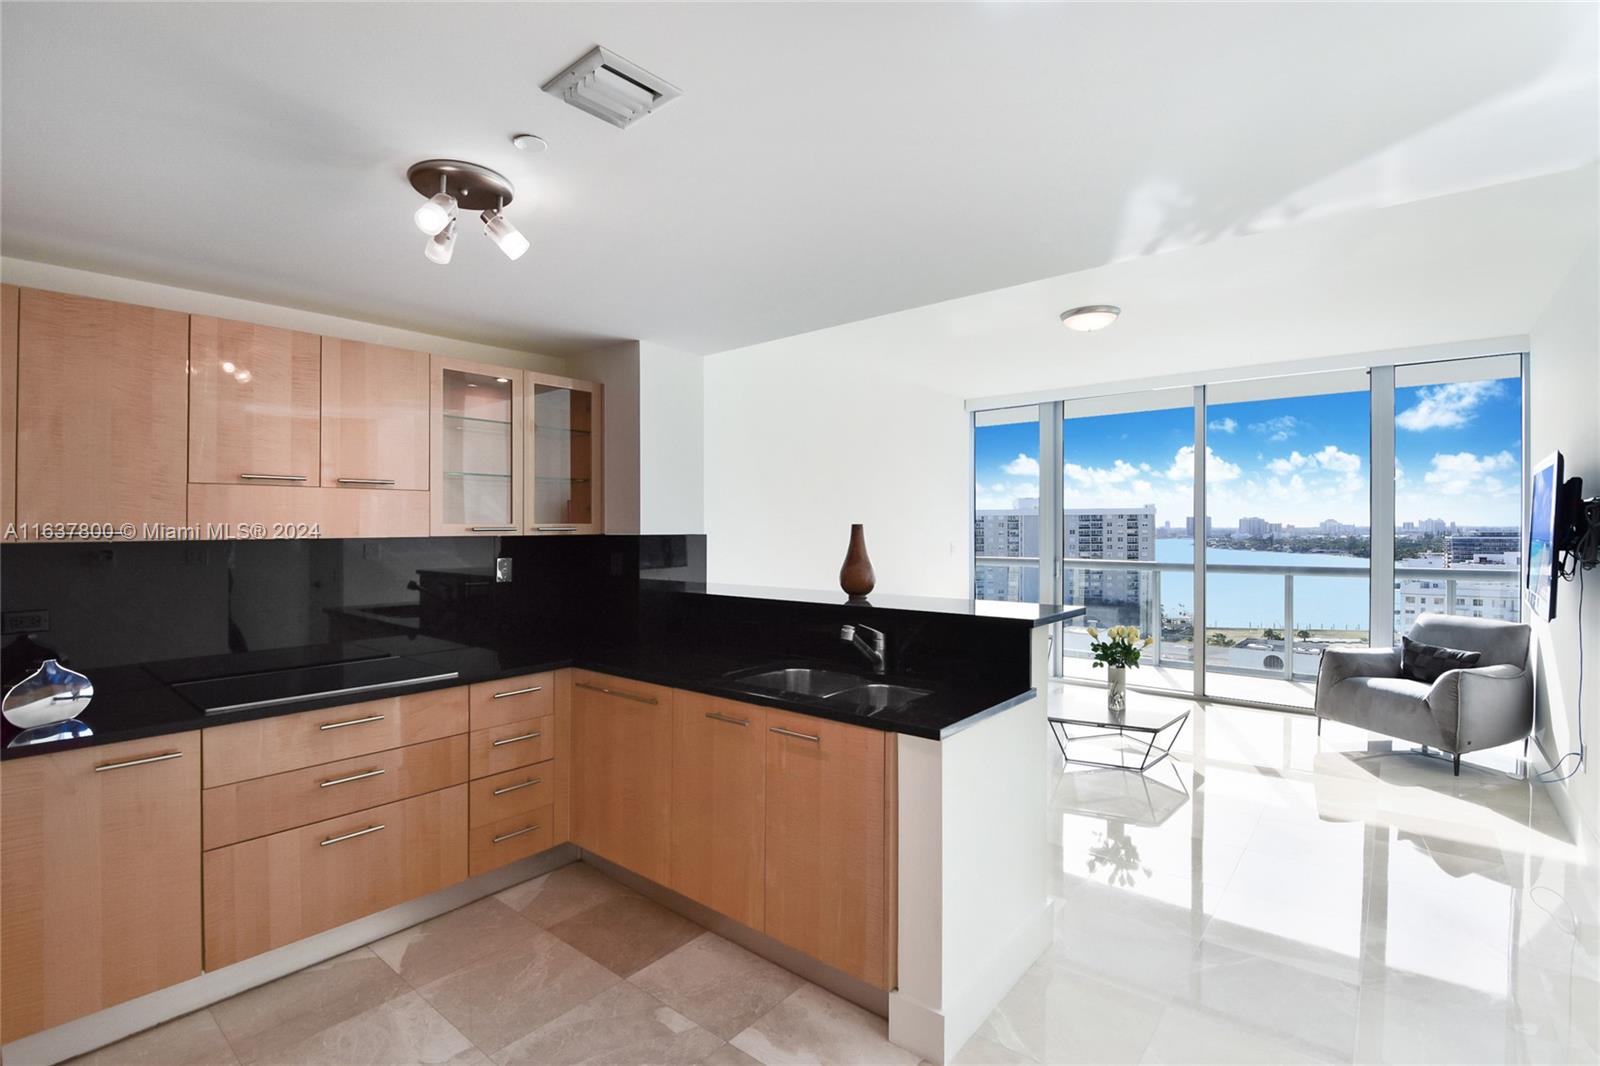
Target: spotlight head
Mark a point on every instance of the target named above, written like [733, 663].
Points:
[504, 234]
[442, 244]
[435, 214]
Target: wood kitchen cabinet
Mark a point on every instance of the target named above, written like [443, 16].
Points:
[477, 455]
[719, 753]
[827, 862]
[102, 412]
[563, 441]
[254, 404]
[374, 416]
[8, 406]
[622, 772]
[100, 876]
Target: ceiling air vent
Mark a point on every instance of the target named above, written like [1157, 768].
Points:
[611, 88]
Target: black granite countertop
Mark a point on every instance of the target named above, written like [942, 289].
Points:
[1034, 614]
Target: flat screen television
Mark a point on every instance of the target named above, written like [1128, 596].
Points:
[1545, 529]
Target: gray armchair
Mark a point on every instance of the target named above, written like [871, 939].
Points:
[1483, 706]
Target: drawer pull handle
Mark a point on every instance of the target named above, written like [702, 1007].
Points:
[512, 788]
[366, 481]
[798, 736]
[138, 762]
[516, 739]
[513, 833]
[352, 836]
[730, 719]
[556, 529]
[353, 721]
[493, 529]
[519, 691]
[353, 777]
[616, 692]
[273, 477]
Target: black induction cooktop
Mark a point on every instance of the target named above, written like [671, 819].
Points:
[220, 695]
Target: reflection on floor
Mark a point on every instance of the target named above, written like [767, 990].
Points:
[1272, 896]
[1265, 896]
[1171, 677]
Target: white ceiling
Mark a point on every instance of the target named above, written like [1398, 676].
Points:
[827, 163]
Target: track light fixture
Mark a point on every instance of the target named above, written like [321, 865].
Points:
[452, 185]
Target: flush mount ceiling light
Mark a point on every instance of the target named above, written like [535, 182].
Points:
[452, 185]
[1090, 318]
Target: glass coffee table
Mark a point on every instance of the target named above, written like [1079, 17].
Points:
[1144, 732]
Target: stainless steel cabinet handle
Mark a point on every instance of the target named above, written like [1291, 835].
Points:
[513, 788]
[513, 740]
[513, 833]
[351, 836]
[556, 529]
[493, 529]
[138, 762]
[273, 477]
[353, 721]
[519, 691]
[719, 716]
[616, 692]
[798, 736]
[366, 481]
[353, 777]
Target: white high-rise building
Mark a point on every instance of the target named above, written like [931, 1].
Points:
[1100, 533]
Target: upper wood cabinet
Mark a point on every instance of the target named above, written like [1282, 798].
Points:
[100, 873]
[8, 406]
[102, 411]
[827, 845]
[374, 416]
[622, 772]
[719, 754]
[254, 404]
[477, 454]
[564, 457]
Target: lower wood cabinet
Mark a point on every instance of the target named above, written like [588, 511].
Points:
[100, 878]
[509, 839]
[719, 756]
[827, 867]
[622, 772]
[277, 889]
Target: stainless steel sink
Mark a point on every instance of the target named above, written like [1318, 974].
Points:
[877, 696]
[800, 681]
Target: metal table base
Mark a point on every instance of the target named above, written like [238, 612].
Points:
[1154, 750]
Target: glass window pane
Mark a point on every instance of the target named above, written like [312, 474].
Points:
[1005, 526]
[477, 440]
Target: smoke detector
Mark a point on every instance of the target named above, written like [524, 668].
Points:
[611, 88]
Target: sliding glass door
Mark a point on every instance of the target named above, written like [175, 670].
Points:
[1005, 526]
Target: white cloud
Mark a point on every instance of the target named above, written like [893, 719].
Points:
[1292, 461]
[1462, 472]
[1218, 469]
[1331, 458]
[1118, 472]
[1223, 425]
[1447, 406]
[1277, 429]
[1003, 495]
[1022, 466]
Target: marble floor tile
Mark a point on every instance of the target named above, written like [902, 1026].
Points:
[814, 1026]
[507, 995]
[405, 1031]
[263, 1021]
[192, 1040]
[1186, 1035]
[626, 933]
[728, 1055]
[623, 1024]
[465, 936]
[717, 984]
[561, 894]
[1060, 1015]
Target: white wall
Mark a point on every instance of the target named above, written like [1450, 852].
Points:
[671, 441]
[193, 301]
[1564, 414]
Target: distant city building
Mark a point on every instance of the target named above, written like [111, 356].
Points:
[1464, 547]
[1120, 533]
[1011, 534]
[1500, 600]
[1188, 527]
[1255, 527]
[1433, 526]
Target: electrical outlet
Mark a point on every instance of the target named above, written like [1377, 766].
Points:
[502, 570]
[13, 622]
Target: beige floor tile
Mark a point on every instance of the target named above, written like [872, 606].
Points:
[728, 1055]
[560, 894]
[193, 1040]
[263, 1021]
[627, 933]
[402, 1032]
[623, 1024]
[508, 995]
[717, 984]
[438, 947]
[814, 1026]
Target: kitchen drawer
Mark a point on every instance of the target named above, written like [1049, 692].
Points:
[520, 790]
[505, 747]
[272, 745]
[277, 889]
[263, 805]
[498, 702]
[509, 839]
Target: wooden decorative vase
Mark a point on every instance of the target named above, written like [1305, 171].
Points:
[856, 576]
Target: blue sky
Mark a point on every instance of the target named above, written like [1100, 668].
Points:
[1299, 460]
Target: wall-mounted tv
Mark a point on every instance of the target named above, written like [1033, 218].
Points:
[1546, 526]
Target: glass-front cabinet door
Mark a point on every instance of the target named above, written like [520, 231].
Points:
[477, 414]
[564, 455]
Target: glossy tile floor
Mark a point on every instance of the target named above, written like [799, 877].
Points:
[1266, 896]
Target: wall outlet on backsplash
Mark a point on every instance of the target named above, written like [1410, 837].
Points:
[14, 622]
[502, 570]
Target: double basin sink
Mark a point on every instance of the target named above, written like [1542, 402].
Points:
[831, 687]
